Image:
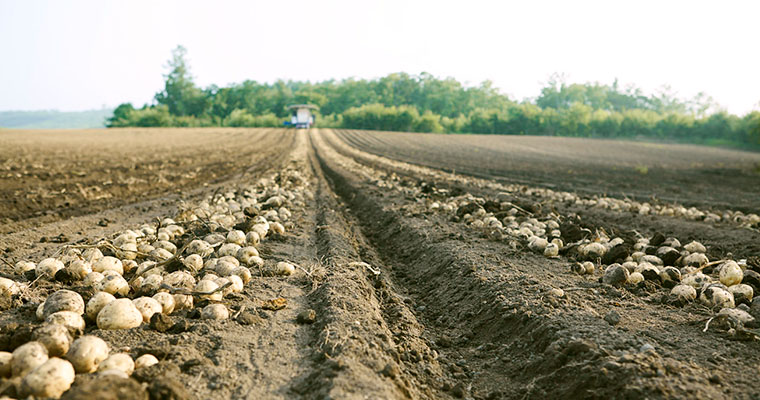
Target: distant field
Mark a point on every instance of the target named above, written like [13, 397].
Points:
[50, 119]
[689, 174]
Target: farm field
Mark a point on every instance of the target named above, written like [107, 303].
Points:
[387, 265]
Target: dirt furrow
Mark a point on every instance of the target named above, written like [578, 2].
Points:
[500, 322]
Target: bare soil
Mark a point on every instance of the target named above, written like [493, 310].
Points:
[407, 302]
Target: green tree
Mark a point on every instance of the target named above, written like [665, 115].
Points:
[180, 94]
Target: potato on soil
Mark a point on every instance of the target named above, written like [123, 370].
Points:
[22, 267]
[284, 268]
[670, 277]
[695, 280]
[207, 290]
[108, 264]
[5, 364]
[731, 273]
[742, 293]
[55, 337]
[166, 301]
[147, 307]
[635, 278]
[119, 314]
[113, 284]
[51, 379]
[27, 357]
[87, 353]
[122, 362]
[182, 302]
[145, 360]
[71, 320]
[8, 287]
[716, 296]
[96, 303]
[615, 275]
[216, 312]
[48, 267]
[79, 269]
[684, 293]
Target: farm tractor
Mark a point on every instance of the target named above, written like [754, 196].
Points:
[301, 116]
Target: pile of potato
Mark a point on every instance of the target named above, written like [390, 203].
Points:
[205, 253]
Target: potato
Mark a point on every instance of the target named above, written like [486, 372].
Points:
[695, 247]
[49, 380]
[5, 364]
[147, 307]
[285, 269]
[48, 267]
[615, 275]
[252, 238]
[8, 287]
[166, 245]
[742, 293]
[237, 284]
[216, 312]
[207, 286]
[79, 268]
[122, 362]
[92, 255]
[537, 244]
[277, 228]
[228, 249]
[193, 262]
[180, 279]
[129, 265]
[55, 337]
[27, 357]
[635, 278]
[119, 314]
[182, 302]
[71, 320]
[145, 360]
[200, 247]
[161, 254]
[246, 254]
[593, 250]
[166, 301]
[244, 274]
[22, 267]
[87, 353]
[108, 264]
[152, 283]
[551, 250]
[113, 284]
[224, 268]
[93, 278]
[695, 280]
[237, 237]
[96, 303]
[670, 277]
[730, 273]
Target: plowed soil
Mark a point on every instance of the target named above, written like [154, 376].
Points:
[408, 300]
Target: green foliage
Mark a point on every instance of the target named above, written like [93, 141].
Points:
[424, 103]
[241, 118]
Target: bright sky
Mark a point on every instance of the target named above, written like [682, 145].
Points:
[76, 55]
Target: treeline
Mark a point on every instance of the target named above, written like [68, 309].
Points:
[423, 103]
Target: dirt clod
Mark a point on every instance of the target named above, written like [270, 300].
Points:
[274, 304]
[161, 322]
[307, 317]
[107, 388]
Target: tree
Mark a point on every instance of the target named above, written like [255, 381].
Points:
[121, 115]
[180, 94]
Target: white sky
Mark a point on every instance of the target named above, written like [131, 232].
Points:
[76, 55]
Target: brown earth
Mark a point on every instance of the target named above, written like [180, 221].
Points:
[452, 313]
[687, 174]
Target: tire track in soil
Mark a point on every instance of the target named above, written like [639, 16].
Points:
[368, 343]
[494, 320]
